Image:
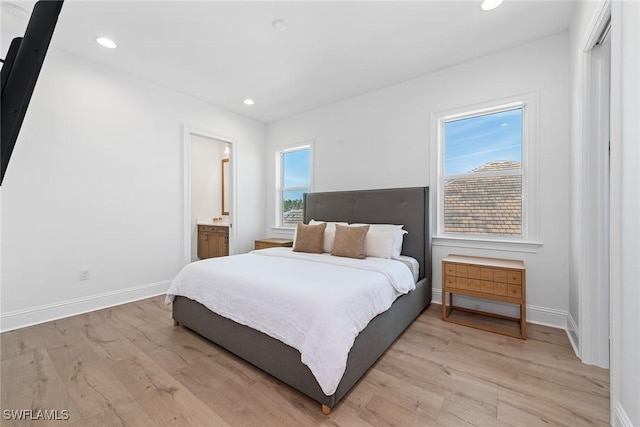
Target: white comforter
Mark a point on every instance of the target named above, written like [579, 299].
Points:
[317, 304]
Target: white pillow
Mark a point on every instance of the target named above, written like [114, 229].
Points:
[379, 244]
[329, 234]
[384, 235]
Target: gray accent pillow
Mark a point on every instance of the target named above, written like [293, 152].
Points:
[309, 238]
[349, 241]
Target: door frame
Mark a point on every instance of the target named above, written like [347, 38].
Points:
[188, 131]
[594, 301]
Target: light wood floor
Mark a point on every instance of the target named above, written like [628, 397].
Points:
[128, 366]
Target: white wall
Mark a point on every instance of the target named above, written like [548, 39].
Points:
[206, 183]
[381, 140]
[96, 181]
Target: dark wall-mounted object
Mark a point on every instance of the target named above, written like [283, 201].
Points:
[20, 72]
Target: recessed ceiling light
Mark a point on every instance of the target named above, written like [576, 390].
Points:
[490, 4]
[248, 101]
[279, 25]
[108, 43]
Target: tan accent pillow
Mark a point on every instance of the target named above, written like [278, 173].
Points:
[329, 233]
[349, 241]
[309, 238]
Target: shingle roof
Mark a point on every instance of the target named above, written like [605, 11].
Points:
[489, 205]
[292, 217]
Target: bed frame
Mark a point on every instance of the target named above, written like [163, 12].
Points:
[407, 206]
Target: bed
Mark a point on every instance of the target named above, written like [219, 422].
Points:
[407, 206]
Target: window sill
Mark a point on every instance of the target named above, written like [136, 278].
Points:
[494, 245]
[284, 230]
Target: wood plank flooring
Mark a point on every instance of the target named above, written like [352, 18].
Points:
[129, 366]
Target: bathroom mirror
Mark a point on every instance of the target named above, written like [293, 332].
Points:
[225, 186]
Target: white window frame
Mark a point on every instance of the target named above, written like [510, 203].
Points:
[280, 188]
[530, 198]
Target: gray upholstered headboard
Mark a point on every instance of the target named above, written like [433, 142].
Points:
[406, 206]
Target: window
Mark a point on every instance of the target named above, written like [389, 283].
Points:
[294, 179]
[485, 185]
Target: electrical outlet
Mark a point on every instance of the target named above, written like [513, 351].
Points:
[84, 274]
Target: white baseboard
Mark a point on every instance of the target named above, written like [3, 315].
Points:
[48, 312]
[573, 332]
[620, 417]
[538, 315]
[547, 317]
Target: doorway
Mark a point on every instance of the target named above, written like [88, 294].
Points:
[209, 187]
[601, 57]
[595, 294]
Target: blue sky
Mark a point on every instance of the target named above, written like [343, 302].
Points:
[475, 141]
[296, 172]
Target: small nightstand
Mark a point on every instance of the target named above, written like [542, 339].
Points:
[273, 242]
[488, 278]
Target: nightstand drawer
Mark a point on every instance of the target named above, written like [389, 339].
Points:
[462, 283]
[500, 288]
[515, 278]
[515, 291]
[475, 285]
[486, 274]
[449, 269]
[474, 272]
[450, 281]
[462, 271]
[500, 275]
[486, 287]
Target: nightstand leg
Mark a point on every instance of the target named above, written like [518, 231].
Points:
[523, 320]
[446, 311]
[444, 304]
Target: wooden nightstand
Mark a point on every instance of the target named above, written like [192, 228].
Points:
[273, 242]
[488, 278]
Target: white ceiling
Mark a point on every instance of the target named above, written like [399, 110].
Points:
[225, 51]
